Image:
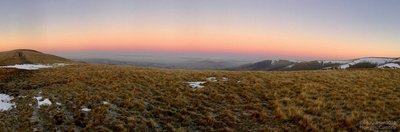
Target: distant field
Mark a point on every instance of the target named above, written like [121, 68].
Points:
[119, 98]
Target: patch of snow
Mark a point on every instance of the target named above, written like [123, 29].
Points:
[5, 102]
[296, 61]
[60, 64]
[212, 79]
[86, 109]
[197, 84]
[38, 98]
[273, 62]
[345, 66]
[289, 66]
[41, 102]
[334, 62]
[390, 65]
[105, 103]
[378, 61]
[327, 68]
[397, 60]
[34, 66]
[28, 66]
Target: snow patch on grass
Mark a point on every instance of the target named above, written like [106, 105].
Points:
[28, 66]
[212, 79]
[86, 109]
[42, 102]
[34, 66]
[5, 102]
[196, 84]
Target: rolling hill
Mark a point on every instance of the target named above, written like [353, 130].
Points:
[288, 65]
[27, 56]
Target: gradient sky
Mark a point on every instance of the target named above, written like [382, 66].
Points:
[298, 29]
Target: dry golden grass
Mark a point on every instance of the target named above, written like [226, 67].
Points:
[24, 56]
[143, 99]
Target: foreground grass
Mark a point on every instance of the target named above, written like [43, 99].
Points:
[139, 99]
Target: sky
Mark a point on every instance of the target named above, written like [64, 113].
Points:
[294, 29]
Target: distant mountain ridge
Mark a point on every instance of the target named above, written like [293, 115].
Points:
[28, 56]
[289, 65]
[189, 64]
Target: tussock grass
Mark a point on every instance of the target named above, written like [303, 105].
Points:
[144, 99]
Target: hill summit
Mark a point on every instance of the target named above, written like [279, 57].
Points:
[28, 56]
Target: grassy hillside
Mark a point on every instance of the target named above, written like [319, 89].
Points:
[25, 56]
[138, 99]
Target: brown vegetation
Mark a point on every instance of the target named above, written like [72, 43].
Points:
[141, 99]
[26, 56]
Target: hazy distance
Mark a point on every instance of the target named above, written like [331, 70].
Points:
[163, 60]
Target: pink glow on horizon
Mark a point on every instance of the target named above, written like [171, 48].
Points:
[251, 42]
[210, 48]
[217, 50]
[287, 29]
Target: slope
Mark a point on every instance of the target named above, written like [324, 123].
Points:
[26, 56]
[120, 98]
[287, 65]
